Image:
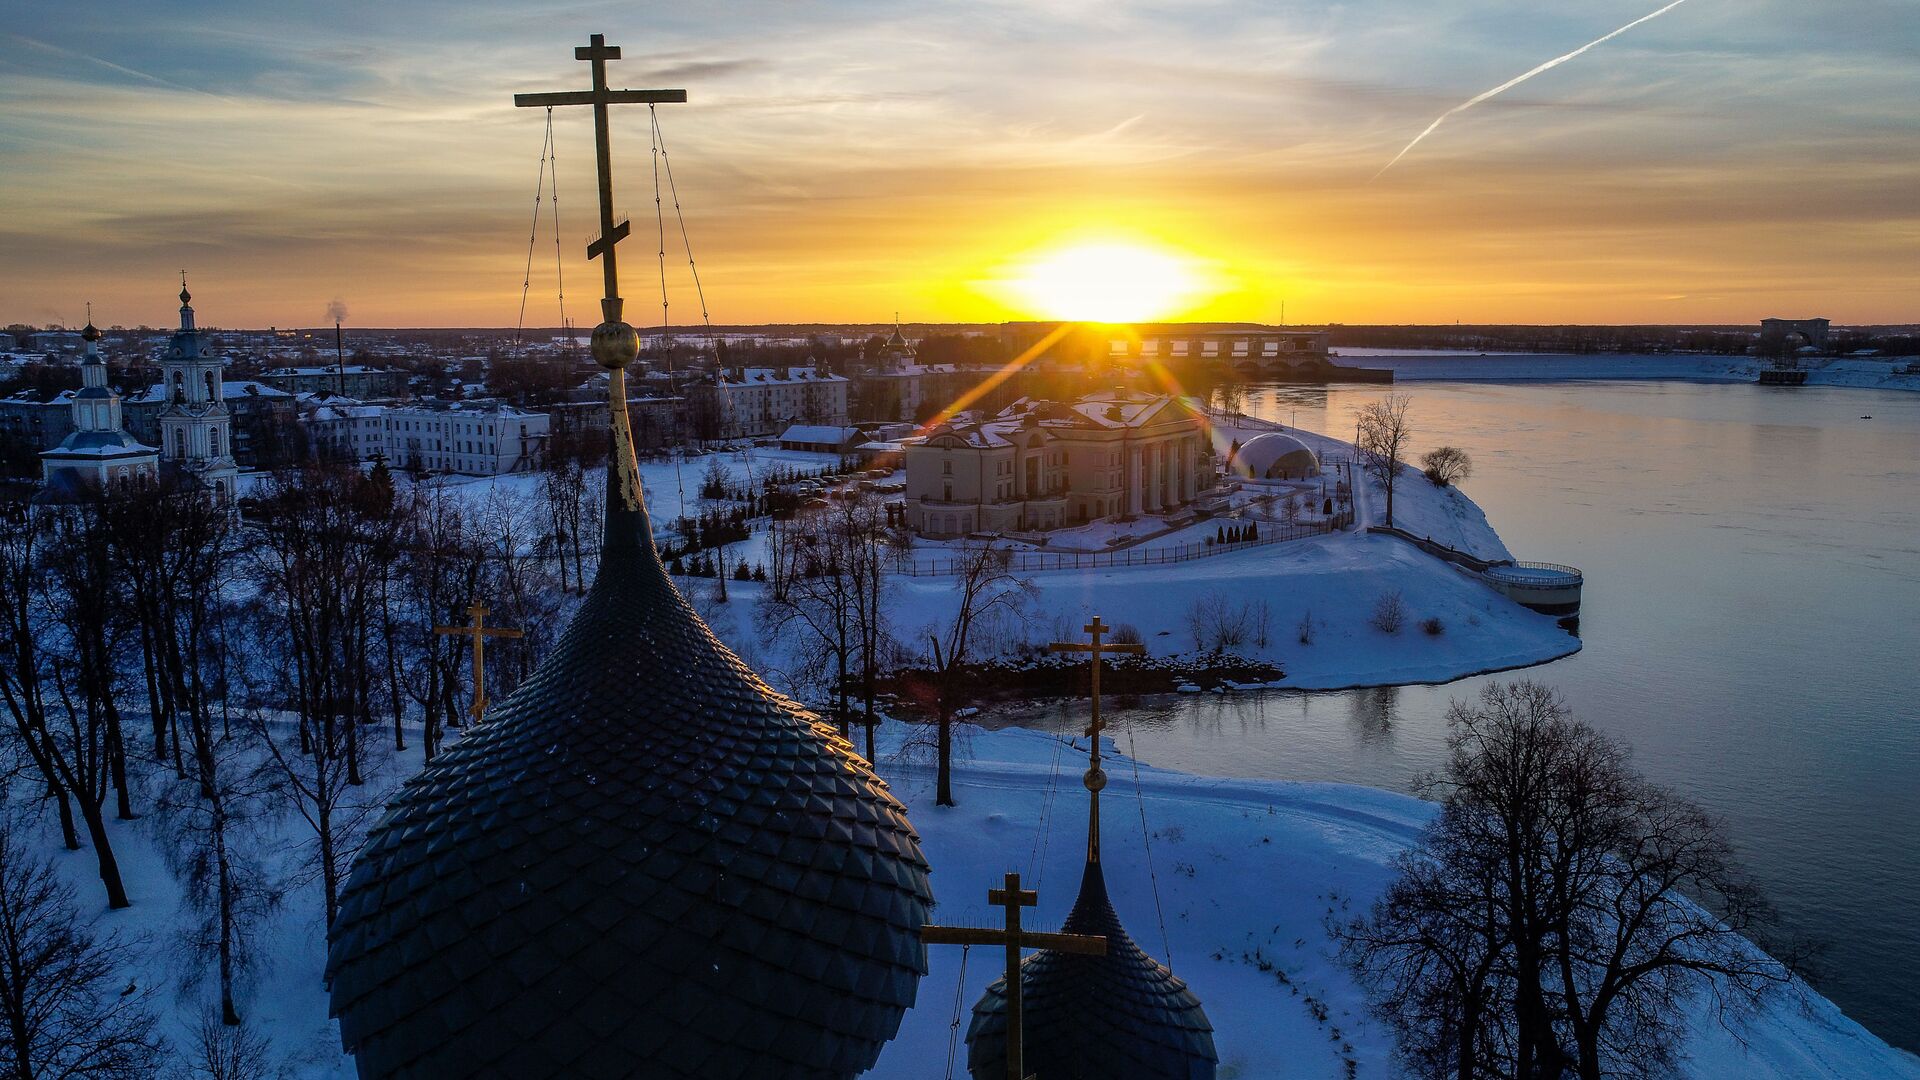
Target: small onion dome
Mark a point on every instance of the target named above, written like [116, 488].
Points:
[1274, 456]
[91, 333]
[645, 862]
[1095, 1017]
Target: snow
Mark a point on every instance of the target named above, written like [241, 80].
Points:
[1246, 872]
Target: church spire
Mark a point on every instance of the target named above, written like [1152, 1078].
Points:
[93, 370]
[186, 304]
[1121, 1013]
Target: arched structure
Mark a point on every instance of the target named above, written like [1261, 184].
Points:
[1274, 456]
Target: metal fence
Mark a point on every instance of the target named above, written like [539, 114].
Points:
[1035, 561]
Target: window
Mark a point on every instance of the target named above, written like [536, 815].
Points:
[946, 468]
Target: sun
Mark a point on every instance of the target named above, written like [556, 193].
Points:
[1106, 281]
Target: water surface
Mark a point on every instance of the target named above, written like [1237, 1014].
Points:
[1751, 623]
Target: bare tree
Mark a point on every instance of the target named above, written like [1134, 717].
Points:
[988, 590]
[66, 1014]
[564, 490]
[818, 603]
[210, 838]
[440, 575]
[1447, 465]
[713, 504]
[1562, 913]
[867, 543]
[77, 739]
[1380, 434]
[25, 677]
[223, 1051]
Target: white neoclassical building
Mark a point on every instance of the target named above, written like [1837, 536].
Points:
[1041, 465]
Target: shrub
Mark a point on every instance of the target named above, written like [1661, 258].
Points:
[1306, 627]
[1433, 626]
[1126, 634]
[1389, 612]
[1217, 624]
[1447, 465]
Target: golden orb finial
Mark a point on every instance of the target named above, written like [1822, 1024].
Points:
[615, 344]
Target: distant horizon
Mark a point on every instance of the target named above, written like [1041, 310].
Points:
[1225, 325]
[974, 161]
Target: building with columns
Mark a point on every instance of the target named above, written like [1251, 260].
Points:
[1040, 465]
[98, 457]
[196, 431]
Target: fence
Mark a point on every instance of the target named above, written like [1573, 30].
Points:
[1034, 561]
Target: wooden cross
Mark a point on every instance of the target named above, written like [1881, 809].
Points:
[1096, 779]
[477, 611]
[598, 52]
[1013, 898]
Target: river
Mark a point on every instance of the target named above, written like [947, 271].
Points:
[1751, 628]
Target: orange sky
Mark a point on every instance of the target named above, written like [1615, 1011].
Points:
[842, 162]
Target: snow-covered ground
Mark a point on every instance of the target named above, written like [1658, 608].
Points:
[1410, 365]
[1246, 873]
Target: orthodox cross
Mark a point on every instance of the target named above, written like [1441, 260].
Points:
[1013, 898]
[480, 632]
[615, 344]
[1096, 779]
[598, 52]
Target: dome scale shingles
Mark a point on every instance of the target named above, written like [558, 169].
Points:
[1121, 1014]
[645, 862]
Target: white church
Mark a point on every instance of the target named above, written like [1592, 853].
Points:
[196, 429]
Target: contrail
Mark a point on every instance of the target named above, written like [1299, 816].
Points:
[1516, 81]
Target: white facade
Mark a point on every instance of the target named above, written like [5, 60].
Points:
[344, 430]
[196, 431]
[99, 457]
[476, 440]
[766, 401]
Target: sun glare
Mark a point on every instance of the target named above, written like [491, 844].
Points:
[1106, 282]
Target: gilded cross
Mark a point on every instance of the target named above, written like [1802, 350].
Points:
[1096, 779]
[598, 52]
[480, 632]
[1013, 898]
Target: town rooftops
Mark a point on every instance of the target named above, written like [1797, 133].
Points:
[772, 376]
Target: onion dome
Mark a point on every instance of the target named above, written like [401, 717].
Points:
[91, 333]
[1095, 1017]
[645, 862]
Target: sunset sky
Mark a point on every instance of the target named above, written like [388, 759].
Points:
[1729, 160]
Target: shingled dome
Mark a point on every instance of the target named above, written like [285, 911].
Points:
[1095, 1017]
[643, 863]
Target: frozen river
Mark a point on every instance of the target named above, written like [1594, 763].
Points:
[1751, 623]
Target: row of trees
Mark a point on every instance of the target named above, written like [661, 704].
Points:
[160, 658]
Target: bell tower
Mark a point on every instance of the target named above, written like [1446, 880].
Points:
[196, 430]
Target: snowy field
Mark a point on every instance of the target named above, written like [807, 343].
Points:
[1246, 873]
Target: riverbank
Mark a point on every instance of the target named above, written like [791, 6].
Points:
[1243, 874]
[1416, 366]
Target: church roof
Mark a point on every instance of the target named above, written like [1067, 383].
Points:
[1095, 1017]
[643, 862]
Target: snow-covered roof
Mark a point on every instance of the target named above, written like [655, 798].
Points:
[1261, 454]
[759, 376]
[229, 388]
[818, 433]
